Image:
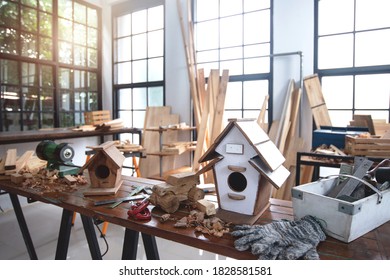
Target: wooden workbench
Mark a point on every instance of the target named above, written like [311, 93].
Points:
[374, 245]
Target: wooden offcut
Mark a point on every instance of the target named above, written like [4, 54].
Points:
[317, 101]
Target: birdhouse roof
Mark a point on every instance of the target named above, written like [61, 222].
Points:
[108, 150]
[267, 158]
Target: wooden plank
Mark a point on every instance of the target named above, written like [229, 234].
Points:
[295, 105]
[23, 160]
[261, 117]
[10, 159]
[317, 101]
[220, 105]
[285, 118]
[368, 122]
[213, 84]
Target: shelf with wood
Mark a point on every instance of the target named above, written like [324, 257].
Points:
[171, 149]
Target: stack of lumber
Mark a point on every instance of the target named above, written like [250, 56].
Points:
[284, 134]
[208, 99]
[12, 164]
[178, 148]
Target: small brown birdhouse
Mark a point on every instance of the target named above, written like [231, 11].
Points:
[105, 169]
[246, 164]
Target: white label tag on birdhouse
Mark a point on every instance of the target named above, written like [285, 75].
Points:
[235, 149]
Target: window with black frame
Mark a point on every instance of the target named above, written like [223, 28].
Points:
[138, 61]
[50, 69]
[353, 59]
[236, 35]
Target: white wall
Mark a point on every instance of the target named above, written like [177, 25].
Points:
[293, 31]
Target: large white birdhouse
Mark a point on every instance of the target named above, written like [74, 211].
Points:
[246, 164]
[105, 169]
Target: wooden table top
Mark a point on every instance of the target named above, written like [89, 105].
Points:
[374, 245]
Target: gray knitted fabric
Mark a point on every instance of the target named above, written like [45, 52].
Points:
[286, 240]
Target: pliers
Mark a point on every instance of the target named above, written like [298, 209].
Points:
[140, 210]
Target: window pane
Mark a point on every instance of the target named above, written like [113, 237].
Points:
[124, 100]
[46, 5]
[79, 79]
[65, 52]
[340, 118]
[80, 55]
[29, 45]
[138, 119]
[80, 13]
[256, 65]
[155, 96]
[333, 20]
[254, 94]
[92, 58]
[372, 91]
[80, 34]
[234, 66]
[11, 121]
[92, 101]
[65, 78]
[234, 7]
[45, 48]
[126, 117]
[156, 43]
[92, 81]
[123, 73]
[139, 71]
[335, 51]
[65, 29]
[251, 5]
[207, 35]
[233, 98]
[231, 31]
[29, 75]
[231, 53]
[205, 56]
[155, 69]
[257, 27]
[29, 19]
[9, 71]
[8, 40]
[65, 101]
[138, 23]
[45, 24]
[139, 46]
[46, 100]
[46, 76]
[338, 92]
[30, 99]
[372, 48]
[372, 14]
[92, 37]
[207, 9]
[92, 18]
[139, 98]
[156, 18]
[123, 25]
[256, 50]
[9, 14]
[65, 8]
[11, 98]
[47, 120]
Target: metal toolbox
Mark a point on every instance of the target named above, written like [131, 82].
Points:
[342, 220]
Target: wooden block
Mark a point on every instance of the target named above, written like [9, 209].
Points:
[17, 178]
[70, 180]
[206, 207]
[10, 160]
[180, 179]
[23, 160]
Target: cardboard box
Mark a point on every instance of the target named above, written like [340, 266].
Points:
[342, 220]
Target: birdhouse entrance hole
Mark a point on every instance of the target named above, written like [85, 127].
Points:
[237, 182]
[102, 172]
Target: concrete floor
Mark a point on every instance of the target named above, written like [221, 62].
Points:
[43, 221]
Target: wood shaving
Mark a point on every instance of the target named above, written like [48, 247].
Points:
[211, 226]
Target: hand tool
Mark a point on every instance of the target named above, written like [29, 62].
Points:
[132, 193]
[139, 210]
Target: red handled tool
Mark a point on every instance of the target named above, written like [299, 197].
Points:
[140, 211]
